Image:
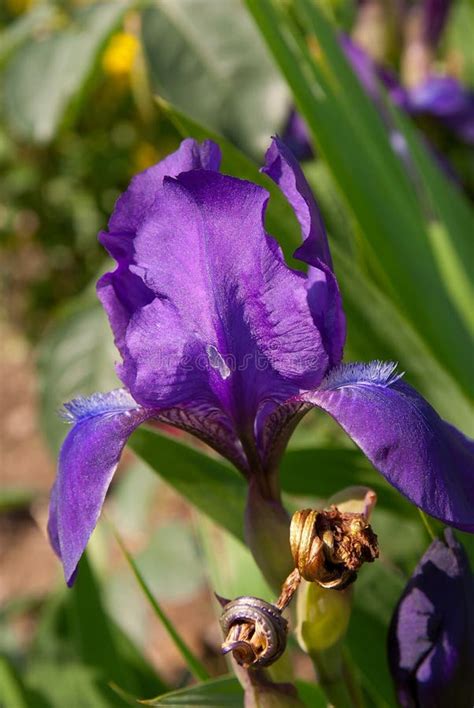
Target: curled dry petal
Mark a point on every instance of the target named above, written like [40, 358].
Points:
[254, 630]
[329, 546]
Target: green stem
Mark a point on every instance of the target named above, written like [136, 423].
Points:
[332, 672]
[267, 527]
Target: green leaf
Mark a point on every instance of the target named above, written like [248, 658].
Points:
[450, 218]
[378, 329]
[12, 691]
[367, 641]
[71, 684]
[22, 29]
[355, 144]
[208, 59]
[211, 485]
[311, 695]
[223, 692]
[321, 472]
[47, 75]
[194, 665]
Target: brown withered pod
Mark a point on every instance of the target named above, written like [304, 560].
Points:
[329, 546]
[254, 630]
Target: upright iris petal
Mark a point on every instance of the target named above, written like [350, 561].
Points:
[219, 337]
[431, 637]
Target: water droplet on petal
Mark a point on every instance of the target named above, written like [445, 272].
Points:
[217, 362]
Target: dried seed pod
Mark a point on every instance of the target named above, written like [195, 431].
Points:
[254, 630]
[329, 546]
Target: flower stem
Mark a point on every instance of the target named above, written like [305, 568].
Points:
[267, 527]
[335, 677]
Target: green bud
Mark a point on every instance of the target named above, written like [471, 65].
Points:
[322, 616]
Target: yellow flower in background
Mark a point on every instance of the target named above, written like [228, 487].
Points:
[145, 156]
[120, 54]
[17, 7]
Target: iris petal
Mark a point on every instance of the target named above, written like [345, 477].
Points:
[87, 462]
[219, 284]
[134, 204]
[284, 170]
[424, 457]
[323, 291]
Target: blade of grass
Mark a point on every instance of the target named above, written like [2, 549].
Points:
[192, 662]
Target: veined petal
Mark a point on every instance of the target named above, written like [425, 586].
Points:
[323, 291]
[424, 457]
[91, 451]
[123, 292]
[139, 197]
[228, 321]
[87, 462]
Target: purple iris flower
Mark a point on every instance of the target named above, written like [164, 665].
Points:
[431, 636]
[219, 337]
[445, 99]
[441, 97]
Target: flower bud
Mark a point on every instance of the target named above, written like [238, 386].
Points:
[322, 617]
[329, 546]
[254, 630]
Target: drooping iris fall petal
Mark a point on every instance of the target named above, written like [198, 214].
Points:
[87, 462]
[425, 458]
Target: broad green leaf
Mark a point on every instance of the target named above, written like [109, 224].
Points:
[208, 59]
[359, 154]
[46, 76]
[450, 219]
[223, 692]
[321, 472]
[75, 357]
[226, 692]
[210, 484]
[56, 642]
[23, 28]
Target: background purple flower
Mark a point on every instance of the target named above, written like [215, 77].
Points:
[431, 637]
